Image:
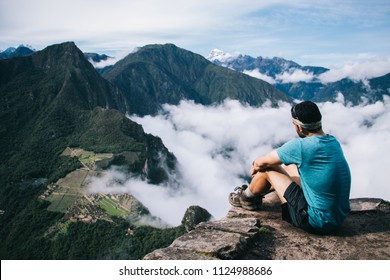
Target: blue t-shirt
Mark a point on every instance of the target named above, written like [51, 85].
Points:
[325, 178]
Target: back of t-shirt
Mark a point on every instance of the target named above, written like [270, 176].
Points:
[325, 177]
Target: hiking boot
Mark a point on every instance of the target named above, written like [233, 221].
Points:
[239, 199]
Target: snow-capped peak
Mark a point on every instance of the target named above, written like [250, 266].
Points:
[221, 56]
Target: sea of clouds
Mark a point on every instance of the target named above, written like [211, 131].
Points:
[215, 146]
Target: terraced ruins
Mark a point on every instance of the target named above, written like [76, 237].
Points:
[70, 195]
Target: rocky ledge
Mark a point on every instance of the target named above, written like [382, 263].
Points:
[242, 234]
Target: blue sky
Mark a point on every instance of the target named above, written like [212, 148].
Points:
[329, 33]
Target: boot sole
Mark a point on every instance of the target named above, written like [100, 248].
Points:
[246, 205]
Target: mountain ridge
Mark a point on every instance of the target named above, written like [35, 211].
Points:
[277, 70]
[158, 74]
[268, 66]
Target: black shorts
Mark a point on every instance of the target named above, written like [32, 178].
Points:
[295, 210]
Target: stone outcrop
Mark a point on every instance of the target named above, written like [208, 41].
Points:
[193, 216]
[244, 234]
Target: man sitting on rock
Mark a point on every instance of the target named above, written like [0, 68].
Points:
[309, 174]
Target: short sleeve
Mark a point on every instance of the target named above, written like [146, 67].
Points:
[291, 152]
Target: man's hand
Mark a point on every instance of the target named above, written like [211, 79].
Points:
[254, 170]
[264, 162]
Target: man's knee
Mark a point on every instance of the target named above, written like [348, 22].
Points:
[292, 171]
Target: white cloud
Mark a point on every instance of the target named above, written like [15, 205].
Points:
[360, 70]
[109, 61]
[215, 147]
[365, 134]
[256, 74]
[294, 76]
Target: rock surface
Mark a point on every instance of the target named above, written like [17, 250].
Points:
[243, 234]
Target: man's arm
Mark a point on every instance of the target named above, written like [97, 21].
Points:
[263, 162]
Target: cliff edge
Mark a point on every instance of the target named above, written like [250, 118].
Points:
[242, 234]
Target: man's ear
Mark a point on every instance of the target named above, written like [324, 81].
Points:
[302, 130]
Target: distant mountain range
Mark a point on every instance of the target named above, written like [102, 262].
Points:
[271, 67]
[296, 81]
[22, 50]
[304, 82]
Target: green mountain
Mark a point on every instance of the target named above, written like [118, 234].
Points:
[52, 100]
[158, 74]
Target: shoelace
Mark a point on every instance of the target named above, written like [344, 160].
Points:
[240, 189]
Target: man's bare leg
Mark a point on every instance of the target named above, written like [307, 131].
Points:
[292, 171]
[277, 178]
